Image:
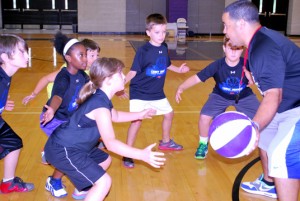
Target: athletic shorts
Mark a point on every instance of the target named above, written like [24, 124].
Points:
[281, 140]
[161, 106]
[51, 125]
[9, 140]
[217, 104]
[81, 167]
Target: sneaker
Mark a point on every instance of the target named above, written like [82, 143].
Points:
[128, 162]
[171, 145]
[259, 187]
[15, 185]
[44, 161]
[55, 187]
[79, 195]
[201, 151]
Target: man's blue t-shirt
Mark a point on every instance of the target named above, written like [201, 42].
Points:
[150, 64]
[274, 61]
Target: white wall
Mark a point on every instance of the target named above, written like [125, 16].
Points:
[102, 16]
[293, 24]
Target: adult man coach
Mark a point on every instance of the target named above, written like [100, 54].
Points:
[274, 62]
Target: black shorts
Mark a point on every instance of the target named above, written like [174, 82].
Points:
[81, 167]
[9, 140]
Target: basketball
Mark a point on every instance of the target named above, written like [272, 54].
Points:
[232, 134]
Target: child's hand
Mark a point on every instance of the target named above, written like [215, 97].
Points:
[184, 68]
[148, 113]
[47, 116]
[122, 94]
[155, 159]
[28, 98]
[248, 76]
[9, 106]
[178, 95]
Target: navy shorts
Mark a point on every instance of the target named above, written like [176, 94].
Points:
[81, 167]
[217, 104]
[9, 140]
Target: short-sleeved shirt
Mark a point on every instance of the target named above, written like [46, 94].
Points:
[67, 87]
[150, 63]
[80, 131]
[227, 79]
[5, 81]
[274, 61]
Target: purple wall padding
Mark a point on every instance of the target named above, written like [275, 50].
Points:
[176, 9]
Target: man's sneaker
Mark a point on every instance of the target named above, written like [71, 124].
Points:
[15, 185]
[201, 151]
[44, 161]
[171, 145]
[55, 187]
[128, 162]
[259, 187]
[79, 195]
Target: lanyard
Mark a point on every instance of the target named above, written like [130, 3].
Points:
[244, 66]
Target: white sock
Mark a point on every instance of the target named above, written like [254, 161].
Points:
[203, 140]
[5, 180]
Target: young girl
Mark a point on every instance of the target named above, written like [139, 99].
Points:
[92, 51]
[62, 102]
[72, 146]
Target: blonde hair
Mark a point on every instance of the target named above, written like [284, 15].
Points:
[100, 69]
[226, 42]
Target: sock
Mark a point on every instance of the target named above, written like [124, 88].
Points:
[269, 183]
[203, 140]
[5, 180]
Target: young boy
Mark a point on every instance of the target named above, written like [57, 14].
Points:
[147, 76]
[231, 89]
[13, 55]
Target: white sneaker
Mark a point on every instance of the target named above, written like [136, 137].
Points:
[55, 187]
[79, 195]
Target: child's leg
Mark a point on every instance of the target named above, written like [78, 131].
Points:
[132, 132]
[10, 164]
[203, 127]
[100, 189]
[166, 126]
[54, 184]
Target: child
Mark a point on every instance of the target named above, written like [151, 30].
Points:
[147, 76]
[93, 51]
[13, 55]
[72, 146]
[62, 102]
[230, 75]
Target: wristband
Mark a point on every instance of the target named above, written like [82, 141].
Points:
[255, 124]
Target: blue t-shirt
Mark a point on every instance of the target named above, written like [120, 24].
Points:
[80, 131]
[274, 61]
[5, 81]
[67, 87]
[227, 79]
[150, 64]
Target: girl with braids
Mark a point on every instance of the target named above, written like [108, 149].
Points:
[62, 102]
[72, 146]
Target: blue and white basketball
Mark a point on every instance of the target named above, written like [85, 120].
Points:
[232, 134]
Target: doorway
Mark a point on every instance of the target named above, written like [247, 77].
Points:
[273, 13]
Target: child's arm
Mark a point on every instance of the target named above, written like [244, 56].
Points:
[128, 77]
[9, 106]
[120, 116]
[182, 69]
[191, 81]
[103, 119]
[42, 83]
